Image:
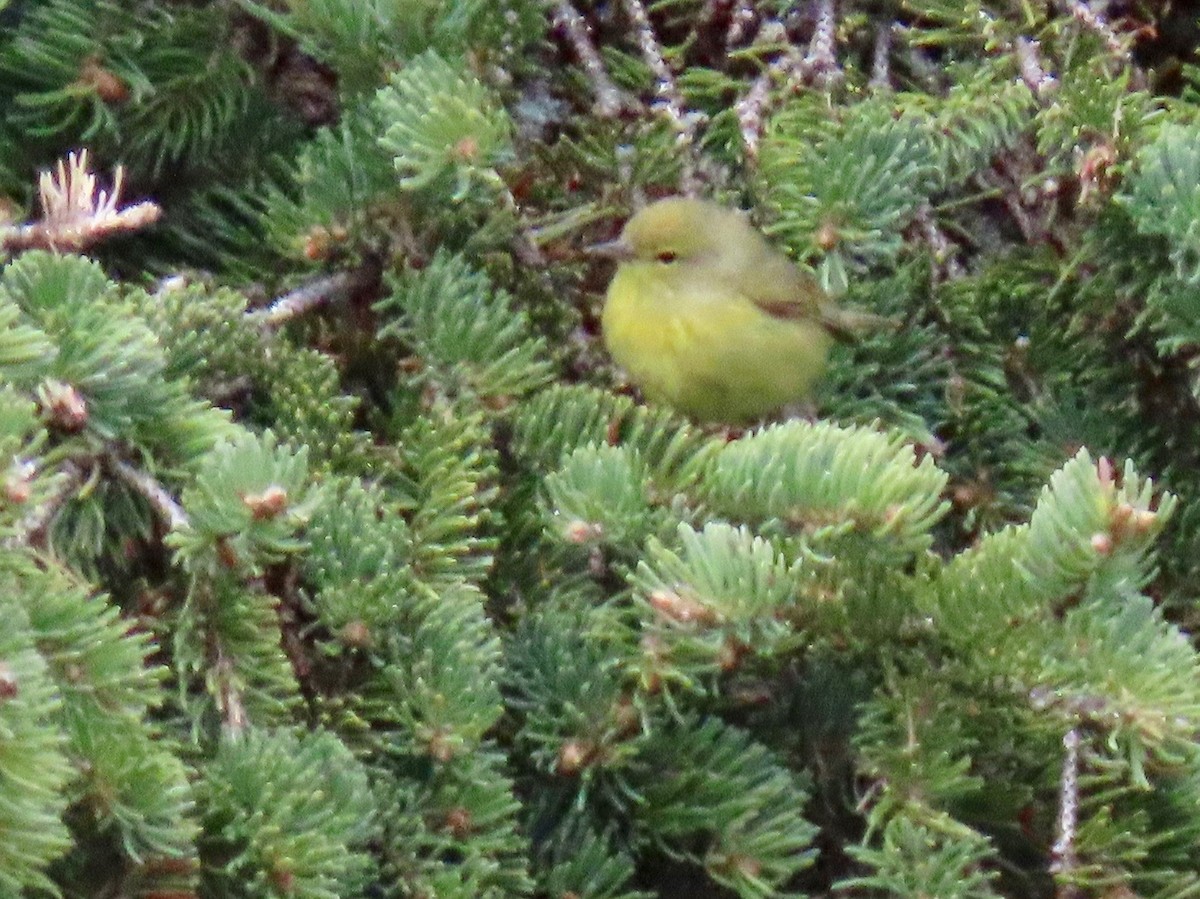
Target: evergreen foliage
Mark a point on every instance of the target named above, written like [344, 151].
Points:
[391, 587]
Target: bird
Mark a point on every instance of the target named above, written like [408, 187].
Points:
[706, 316]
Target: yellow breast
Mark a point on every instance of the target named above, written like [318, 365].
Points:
[695, 343]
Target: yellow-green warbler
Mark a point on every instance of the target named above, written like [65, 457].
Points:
[706, 316]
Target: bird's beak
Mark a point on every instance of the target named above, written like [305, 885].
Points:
[620, 250]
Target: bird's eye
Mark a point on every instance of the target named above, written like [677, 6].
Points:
[666, 256]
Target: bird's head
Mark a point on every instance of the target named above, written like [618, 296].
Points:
[677, 229]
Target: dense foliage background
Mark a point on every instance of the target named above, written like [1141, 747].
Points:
[337, 561]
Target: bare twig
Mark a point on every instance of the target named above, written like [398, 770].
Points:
[302, 300]
[1064, 860]
[229, 697]
[75, 213]
[751, 110]
[609, 100]
[822, 50]
[165, 505]
[880, 69]
[790, 67]
[1029, 59]
[671, 102]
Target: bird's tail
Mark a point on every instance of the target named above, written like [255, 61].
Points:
[851, 325]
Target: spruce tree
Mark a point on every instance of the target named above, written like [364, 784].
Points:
[337, 560]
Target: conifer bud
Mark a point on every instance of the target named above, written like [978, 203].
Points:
[459, 822]
[572, 757]
[226, 554]
[828, 236]
[18, 485]
[269, 504]
[317, 244]
[654, 650]
[1142, 521]
[625, 717]
[1120, 517]
[63, 406]
[9, 687]
[683, 609]
[730, 655]
[1102, 543]
[108, 86]
[283, 878]
[582, 532]
[1096, 171]
[356, 634]
[441, 749]
[467, 149]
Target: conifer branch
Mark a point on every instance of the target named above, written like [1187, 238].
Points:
[160, 500]
[671, 101]
[75, 213]
[1064, 859]
[610, 101]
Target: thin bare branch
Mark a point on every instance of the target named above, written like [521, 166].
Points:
[822, 50]
[1029, 60]
[791, 68]
[670, 99]
[302, 300]
[610, 101]
[881, 78]
[1064, 860]
[943, 248]
[160, 500]
[229, 697]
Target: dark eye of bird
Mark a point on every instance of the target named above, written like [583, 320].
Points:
[667, 256]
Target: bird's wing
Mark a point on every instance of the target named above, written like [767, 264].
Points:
[785, 292]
